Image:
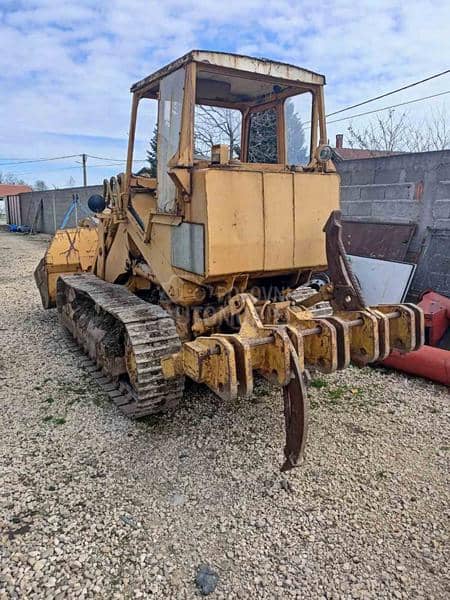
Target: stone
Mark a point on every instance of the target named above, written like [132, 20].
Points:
[206, 580]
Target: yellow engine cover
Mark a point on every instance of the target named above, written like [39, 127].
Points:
[259, 221]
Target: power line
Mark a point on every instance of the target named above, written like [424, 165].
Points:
[121, 160]
[106, 158]
[405, 87]
[68, 168]
[16, 158]
[369, 112]
[307, 124]
[105, 165]
[35, 160]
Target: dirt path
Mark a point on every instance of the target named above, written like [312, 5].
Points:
[94, 505]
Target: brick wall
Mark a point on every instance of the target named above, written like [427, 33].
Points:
[408, 188]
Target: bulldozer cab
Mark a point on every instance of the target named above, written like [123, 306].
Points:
[223, 109]
[238, 139]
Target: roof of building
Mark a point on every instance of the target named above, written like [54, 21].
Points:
[236, 62]
[9, 189]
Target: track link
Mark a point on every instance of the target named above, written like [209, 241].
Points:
[125, 338]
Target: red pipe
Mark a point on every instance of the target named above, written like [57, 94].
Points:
[432, 363]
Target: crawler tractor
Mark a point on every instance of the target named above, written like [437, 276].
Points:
[208, 270]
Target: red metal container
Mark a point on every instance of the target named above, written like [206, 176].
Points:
[432, 363]
[429, 361]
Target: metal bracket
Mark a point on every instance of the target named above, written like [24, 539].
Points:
[347, 293]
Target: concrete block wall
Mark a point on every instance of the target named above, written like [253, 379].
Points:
[55, 204]
[407, 188]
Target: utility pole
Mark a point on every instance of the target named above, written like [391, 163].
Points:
[84, 159]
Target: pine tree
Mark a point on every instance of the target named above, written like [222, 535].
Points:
[152, 156]
[296, 148]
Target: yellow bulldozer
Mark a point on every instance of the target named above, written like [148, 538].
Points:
[208, 269]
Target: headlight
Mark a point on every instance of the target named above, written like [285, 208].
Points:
[324, 153]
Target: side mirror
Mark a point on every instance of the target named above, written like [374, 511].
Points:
[96, 203]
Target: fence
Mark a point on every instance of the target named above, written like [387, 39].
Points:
[44, 211]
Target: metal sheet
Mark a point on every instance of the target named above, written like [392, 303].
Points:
[433, 267]
[382, 281]
[13, 210]
[188, 247]
[387, 241]
[238, 62]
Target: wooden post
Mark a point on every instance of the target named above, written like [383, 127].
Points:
[84, 159]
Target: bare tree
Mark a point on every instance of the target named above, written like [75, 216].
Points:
[40, 185]
[11, 178]
[216, 125]
[385, 132]
[397, 133]
[433, 133]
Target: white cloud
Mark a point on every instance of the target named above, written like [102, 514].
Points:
[65, 69]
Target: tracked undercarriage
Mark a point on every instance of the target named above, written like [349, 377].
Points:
[125, 337]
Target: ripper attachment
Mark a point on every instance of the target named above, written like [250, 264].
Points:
[281, 340]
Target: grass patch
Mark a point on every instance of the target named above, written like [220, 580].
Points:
[341, 397]
[319, 383]
[337, 393]
[54, 420]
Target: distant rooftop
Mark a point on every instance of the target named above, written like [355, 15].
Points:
[341, 153]
[9, 189]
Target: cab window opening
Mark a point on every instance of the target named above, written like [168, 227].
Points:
[298, 112]
[263, 136]
[216, 125]
[171, 95]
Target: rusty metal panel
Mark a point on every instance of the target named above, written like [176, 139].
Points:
[386, 241]
[238, 62]
[13, 210]
[235, 222]
[278, 221]
[315, 197]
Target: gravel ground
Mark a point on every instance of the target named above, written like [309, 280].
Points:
[94, 505]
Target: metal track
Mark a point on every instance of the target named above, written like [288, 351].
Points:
[125, 338]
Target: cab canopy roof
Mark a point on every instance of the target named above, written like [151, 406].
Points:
[234, 77]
